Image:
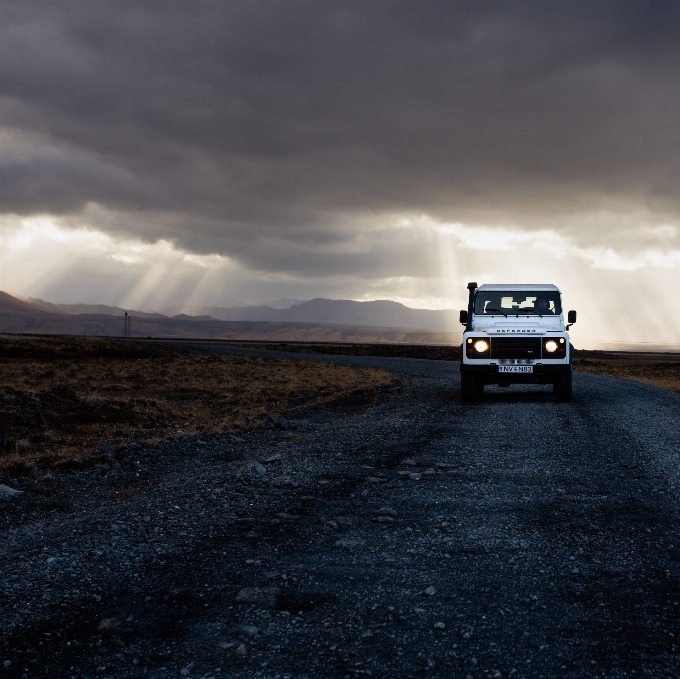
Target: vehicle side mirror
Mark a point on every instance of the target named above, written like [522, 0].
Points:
[463, 316]
[571, 317]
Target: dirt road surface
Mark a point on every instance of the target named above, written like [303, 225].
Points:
[417, 536]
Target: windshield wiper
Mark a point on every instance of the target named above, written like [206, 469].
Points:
[496, 310]
[533, 311]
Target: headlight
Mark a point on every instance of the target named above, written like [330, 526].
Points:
[477, 347]
[482, 345]
[554, 347]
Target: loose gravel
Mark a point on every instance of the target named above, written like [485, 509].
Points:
[516, 537]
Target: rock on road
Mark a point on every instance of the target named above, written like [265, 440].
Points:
[516, 537]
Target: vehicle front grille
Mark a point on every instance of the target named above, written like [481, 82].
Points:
[515, 347]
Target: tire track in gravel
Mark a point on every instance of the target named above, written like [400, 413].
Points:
[548, 532]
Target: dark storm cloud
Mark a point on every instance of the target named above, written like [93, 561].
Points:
[224, 124]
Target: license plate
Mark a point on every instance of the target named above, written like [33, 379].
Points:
[515, 368]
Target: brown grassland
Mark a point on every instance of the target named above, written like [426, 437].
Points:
[60, 398]
[660, 370]
[436, 352]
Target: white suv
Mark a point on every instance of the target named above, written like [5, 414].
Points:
[515, 334]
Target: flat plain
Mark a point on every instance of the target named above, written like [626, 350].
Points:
[400, 534]
[656, 368]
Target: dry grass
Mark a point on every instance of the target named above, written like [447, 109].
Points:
[428, 351]
[660, 370]
[62, 397]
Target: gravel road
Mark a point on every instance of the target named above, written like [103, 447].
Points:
[517, 537]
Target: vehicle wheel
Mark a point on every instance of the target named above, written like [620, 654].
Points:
[468, 388]
[555, 387]
[563, 384]
[479, 389]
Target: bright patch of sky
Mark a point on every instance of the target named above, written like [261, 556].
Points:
[621, 298]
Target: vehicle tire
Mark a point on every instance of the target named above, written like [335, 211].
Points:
[468, 388]
[479, 389]
[555, 387]
[563, 384]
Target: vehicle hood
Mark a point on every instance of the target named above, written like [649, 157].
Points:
[515, 326]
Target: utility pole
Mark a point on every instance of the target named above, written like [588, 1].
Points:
[126, 332]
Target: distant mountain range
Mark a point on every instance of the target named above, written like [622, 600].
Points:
[383, 313]
[74, 309]
[223, 313]
[347, 312]
[318, 320]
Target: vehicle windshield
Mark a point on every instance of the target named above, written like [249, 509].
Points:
[513, 303]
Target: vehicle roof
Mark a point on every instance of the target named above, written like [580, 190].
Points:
[518, 286]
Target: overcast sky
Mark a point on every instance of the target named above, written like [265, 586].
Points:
[167, 152]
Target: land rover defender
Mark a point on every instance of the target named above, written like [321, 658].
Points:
[515, 334]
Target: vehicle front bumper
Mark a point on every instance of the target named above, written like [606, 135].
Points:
[542, 374]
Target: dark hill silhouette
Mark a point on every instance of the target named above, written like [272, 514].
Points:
[382, 313]
[17, 316]
[90, 309]
[10, 304]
